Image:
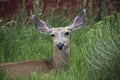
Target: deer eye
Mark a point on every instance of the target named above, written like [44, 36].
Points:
[67, 33]
[52, 35]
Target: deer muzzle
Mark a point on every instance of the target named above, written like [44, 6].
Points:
[60, 46]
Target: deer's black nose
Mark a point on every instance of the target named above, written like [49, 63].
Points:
[60, 46]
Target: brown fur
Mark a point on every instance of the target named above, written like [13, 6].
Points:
[26, 67]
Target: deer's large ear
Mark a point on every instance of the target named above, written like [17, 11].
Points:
[79, 21]
[41, 25]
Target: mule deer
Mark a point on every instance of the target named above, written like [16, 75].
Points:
[60, 54]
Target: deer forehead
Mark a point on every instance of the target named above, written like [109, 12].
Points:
[59, 30]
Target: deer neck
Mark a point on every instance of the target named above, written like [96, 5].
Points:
[60, 57]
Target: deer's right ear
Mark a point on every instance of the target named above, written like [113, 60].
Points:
[41, 25]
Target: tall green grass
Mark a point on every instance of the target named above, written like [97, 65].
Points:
[102, 49]
[94, 51]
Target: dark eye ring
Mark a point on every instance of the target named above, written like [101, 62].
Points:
[67, 33]
[52, 35]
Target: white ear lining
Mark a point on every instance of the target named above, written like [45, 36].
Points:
[46, 29]
[44, 24]
[79, 21]
[41, 25]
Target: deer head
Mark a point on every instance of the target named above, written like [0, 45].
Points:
[61, 35]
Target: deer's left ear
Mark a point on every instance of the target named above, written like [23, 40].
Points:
[79, 21]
